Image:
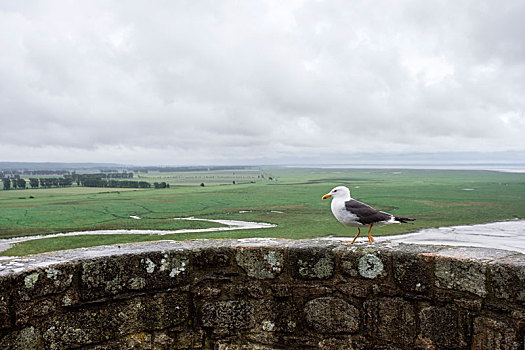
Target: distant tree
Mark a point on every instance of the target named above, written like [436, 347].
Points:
[202, 184]
[21, 183]
[144, 184]
[233, 182]
[33, 182]
[7, 183]
[45, 182]
[67, 180]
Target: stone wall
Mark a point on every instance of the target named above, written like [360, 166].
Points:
[264, 294]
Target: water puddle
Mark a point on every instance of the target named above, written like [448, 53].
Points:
[506, 235]
[229, 225]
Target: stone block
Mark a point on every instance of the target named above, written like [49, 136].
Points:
[413, 272]
[331, 315]
[508, 278]
[365, 262]
[44, 281]
[5, 304]
[213, 257]
[445, 327]
[106, 276]
[356, 288]
[26, 338]
[490, 334]
[191, 339]
[277, 316]
[110, 276]
[461, 275]
[390, 320]
[311, 263]
[93, 325]
[464, 269]
[34, 309]
[260, 263]
[228, 315]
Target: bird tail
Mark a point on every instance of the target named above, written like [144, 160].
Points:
[403, 220]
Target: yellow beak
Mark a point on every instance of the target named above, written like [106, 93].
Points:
[326, 196]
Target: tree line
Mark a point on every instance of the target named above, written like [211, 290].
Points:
[85, 180]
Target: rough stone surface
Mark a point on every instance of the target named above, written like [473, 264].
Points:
[260, 263]
[104, 277]
[115, 320]
[508, 278]
[332, 315]
[413, 271]
[390, 320]
[228, 314]
[491, 334]
[365, 262]
[311, 262]
[264, 294]
[5, 317]
[445, 327]
[44, 281]
[460, 275]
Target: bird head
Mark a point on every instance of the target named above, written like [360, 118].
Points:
[338, 192]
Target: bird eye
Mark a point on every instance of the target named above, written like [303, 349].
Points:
[335, 191]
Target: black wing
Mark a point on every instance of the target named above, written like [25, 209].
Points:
[366, 214]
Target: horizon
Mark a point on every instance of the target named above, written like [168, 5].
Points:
[485, 165]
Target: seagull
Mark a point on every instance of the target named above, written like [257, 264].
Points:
[351, 212]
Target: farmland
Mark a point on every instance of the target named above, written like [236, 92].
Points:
[291, 200]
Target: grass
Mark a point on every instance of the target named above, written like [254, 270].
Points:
[434, 197]
[208, 177]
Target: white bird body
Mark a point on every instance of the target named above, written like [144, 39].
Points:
[351, 212]
[342, 215]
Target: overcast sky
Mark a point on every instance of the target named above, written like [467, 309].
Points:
[258, 82]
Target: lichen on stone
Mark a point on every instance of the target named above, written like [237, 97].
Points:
[462, 275]
[178, 269]
[31, 279]
[137, 283]
[260, 263]
[150, 265]
[323, 268]
[268, 326]
[164, 263]
[52, 273]
[274, 260]
[370, 266]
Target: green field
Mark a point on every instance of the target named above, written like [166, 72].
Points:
[208, 177]
[292, 201]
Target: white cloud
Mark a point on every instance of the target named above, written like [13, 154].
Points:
[207, 82]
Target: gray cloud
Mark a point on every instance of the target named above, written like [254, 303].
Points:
[229, 82]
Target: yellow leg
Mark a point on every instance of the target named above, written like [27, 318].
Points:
[370, 238]
[358, 233]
